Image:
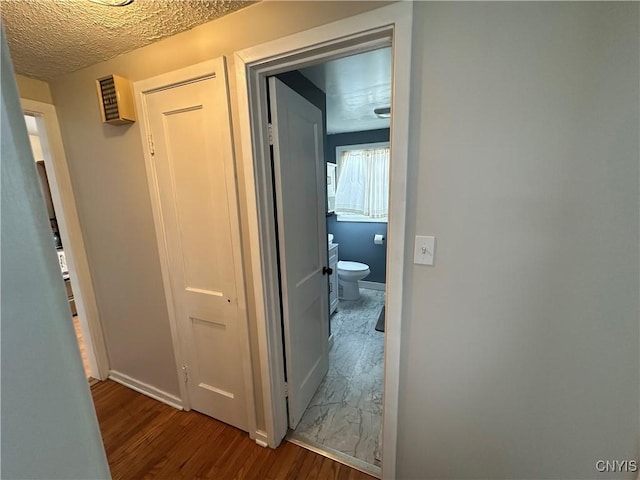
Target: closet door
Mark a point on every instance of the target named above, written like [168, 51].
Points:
[198, 222]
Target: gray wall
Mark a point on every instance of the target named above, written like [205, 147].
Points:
[356, 238]
[49, 426]
[520, 346]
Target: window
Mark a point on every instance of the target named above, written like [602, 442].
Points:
[362, 189]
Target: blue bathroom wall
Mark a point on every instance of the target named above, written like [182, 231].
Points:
[355, 239]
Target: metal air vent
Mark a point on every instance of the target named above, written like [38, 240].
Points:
[116, 100]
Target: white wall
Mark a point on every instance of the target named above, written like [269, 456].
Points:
[520, 350]
[34, 89]
[49, 427]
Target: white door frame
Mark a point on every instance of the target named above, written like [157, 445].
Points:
[141, 89]
[64, 203]
[387, 25]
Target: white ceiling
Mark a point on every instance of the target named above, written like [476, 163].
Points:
[48, 38]
[354, 86]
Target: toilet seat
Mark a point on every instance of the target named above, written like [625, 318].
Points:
[352, 266]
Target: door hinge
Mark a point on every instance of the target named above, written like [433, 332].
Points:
[151, 149]
[270, 130]
[185, 372]
[286, 390]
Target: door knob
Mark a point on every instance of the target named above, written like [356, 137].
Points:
[327, 270]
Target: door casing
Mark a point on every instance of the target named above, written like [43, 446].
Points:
[389, 25]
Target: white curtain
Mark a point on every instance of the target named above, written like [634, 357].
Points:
[363, 183]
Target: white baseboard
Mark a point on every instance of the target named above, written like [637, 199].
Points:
[330, 341]
[146, 389]
[372, 285]
[260, 437]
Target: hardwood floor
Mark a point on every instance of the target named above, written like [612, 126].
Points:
[144, 438]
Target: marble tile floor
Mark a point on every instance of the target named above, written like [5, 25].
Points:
[345, 414]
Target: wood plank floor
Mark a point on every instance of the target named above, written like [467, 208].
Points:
[144, 438]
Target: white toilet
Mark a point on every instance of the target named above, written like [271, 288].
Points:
[348, 275]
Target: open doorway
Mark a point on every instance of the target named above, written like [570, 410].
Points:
[36, 141]
[67, 239]
[343, 418]
[384, 27]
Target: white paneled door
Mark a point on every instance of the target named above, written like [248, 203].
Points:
[300, 180]
[191, 153]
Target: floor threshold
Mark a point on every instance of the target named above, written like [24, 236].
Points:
[334, 455]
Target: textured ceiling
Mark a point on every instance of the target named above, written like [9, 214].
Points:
[48, 38]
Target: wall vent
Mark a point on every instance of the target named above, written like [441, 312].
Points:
[116, 100]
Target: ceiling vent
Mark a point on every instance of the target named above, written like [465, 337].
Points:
[116, 100]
